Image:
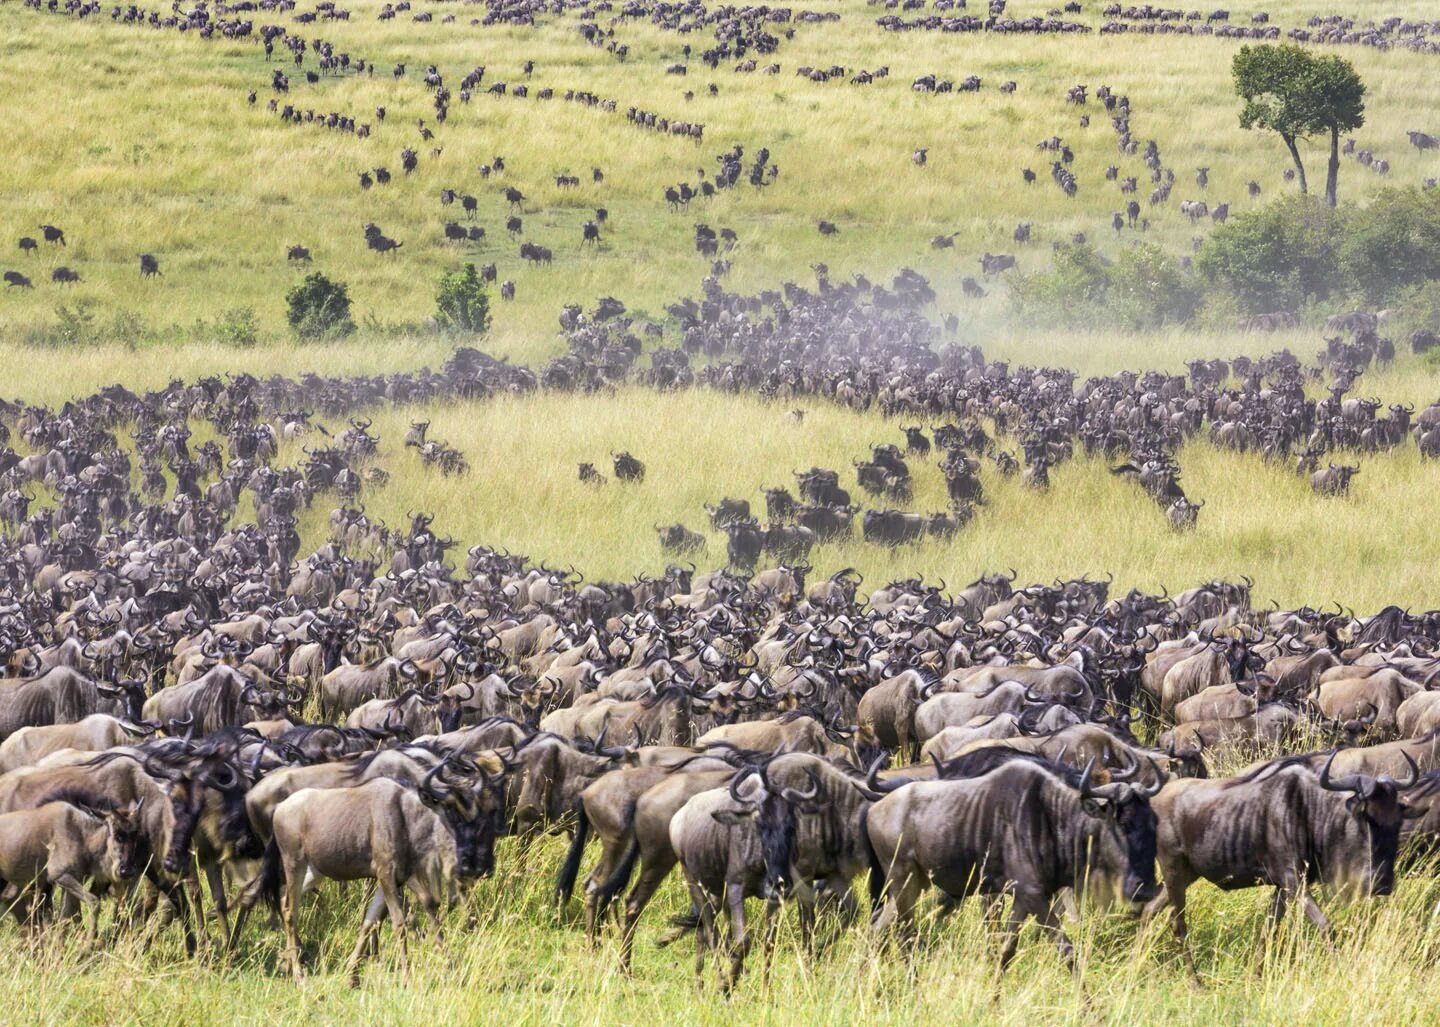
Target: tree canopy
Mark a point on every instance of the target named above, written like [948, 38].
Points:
[1297, 94]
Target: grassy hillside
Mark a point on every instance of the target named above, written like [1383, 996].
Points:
[137, 139]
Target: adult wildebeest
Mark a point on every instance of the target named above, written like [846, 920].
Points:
[1333, 480]
[1280, 825]
[1027, 828]
[627, 468]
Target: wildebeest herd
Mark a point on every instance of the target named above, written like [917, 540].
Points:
[203, 707]
[198, 710]
[739, 35]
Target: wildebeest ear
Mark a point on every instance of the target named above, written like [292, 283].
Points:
[1095, 807]
[1356, 805]
[1413, 812]
[733, 817]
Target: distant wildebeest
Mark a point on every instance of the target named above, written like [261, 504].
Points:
[1333, 480]
[627, 468]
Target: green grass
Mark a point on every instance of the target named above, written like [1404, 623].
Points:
[515, 964]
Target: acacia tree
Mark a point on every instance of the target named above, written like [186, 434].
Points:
[1290, 91]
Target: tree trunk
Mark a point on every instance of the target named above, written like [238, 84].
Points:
[1332, 173]
[1299, 167]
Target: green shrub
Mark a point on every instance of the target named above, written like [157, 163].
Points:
[74, 326]
[1278, 257]
[1394, 244]
[1150, 289]
[319, 308]
[237, 327]
[1070, 293]
[461, 303]
[1144, 288]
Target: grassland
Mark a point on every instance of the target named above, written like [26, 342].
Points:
[140, 140]
[137, 140]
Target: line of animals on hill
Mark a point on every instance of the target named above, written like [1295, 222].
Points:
[737, 32]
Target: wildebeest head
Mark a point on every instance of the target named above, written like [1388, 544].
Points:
[188, 787]
[775, 811]
[1376, 802]
[473, 809]
[128, 840]
[1125, 816]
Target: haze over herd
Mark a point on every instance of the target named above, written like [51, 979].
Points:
[566, 510]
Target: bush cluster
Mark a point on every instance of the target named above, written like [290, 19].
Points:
[1289, 255]
[1142, 289]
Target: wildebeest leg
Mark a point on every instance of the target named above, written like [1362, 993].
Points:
[1025, 906]
[704, 930]
[770, 928]
[836, 903]
[174, 891]
[653, 870]
[85, 897]
[609, 860]
[902, 892]
[1050, 921]
[394, 895]
[369, 930]
[215, 875]
[739, 935]
[290, 915]
[1313, 911]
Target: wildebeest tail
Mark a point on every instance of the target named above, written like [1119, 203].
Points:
[570, 870]
[271, 877]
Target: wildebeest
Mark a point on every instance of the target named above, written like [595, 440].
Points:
[1026, 829]
[404, 839]
[1280, 825]
[676, 538]
[149, 266]
[627, 468]
[1333, 480]
[76, 840]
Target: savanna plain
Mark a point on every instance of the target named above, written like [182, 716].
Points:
[138, 138]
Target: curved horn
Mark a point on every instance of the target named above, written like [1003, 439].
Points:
[1350, 783]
